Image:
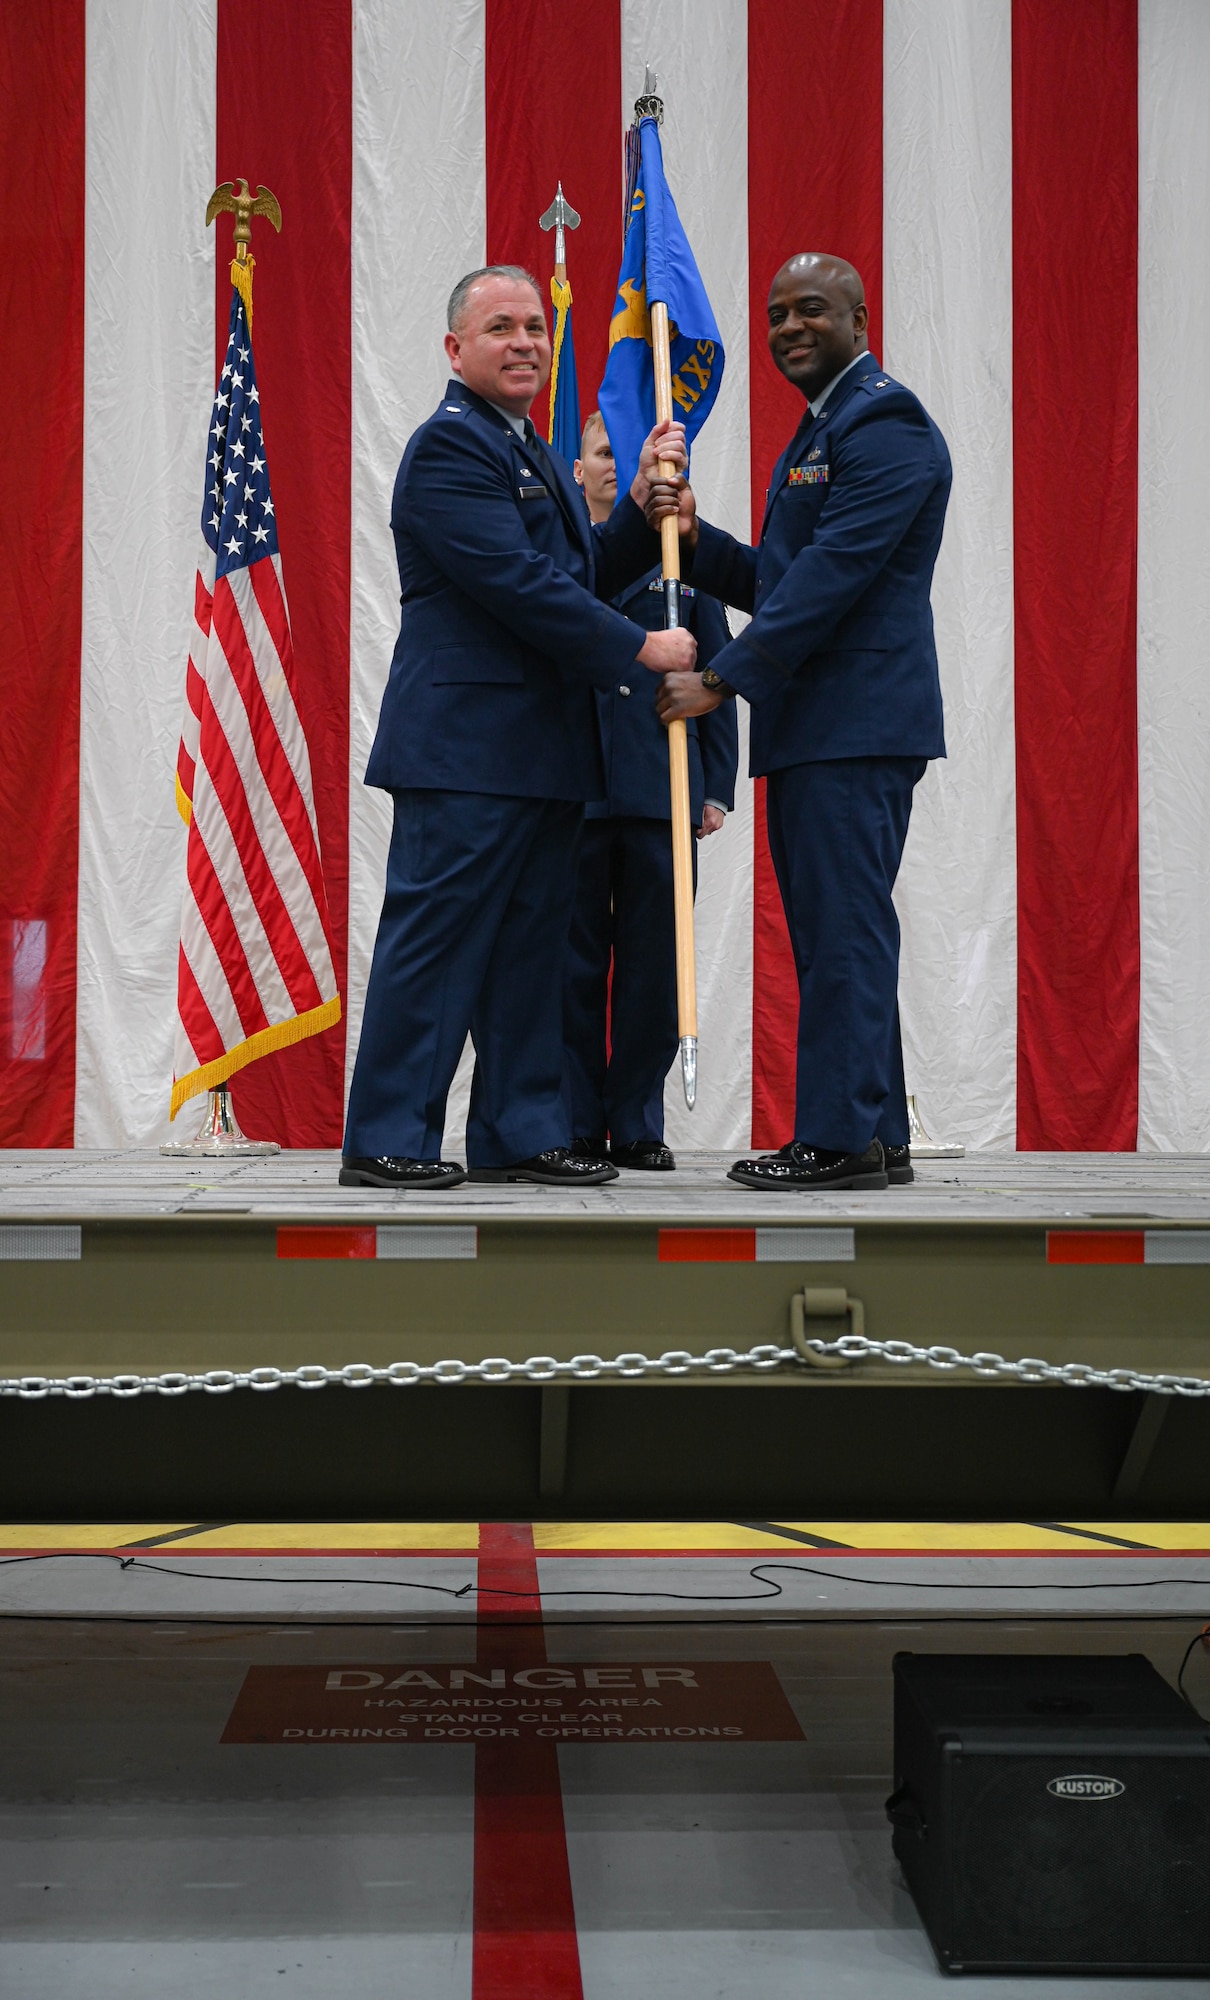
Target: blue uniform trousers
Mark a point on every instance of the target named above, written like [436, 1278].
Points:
[471, 940]
[836, 834]
[624, 910]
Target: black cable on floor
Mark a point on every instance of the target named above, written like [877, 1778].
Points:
[1201, 1638]
[759, 1572]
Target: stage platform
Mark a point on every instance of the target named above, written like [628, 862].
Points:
[301, 1186]
[133, 1264]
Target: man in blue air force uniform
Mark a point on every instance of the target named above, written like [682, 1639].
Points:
[840, 669]
[624, 907]
[487, 741]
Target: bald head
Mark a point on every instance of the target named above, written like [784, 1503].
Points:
[818, 319]
[810, 265]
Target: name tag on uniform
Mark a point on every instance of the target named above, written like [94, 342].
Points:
[808, 475]
[532, 492]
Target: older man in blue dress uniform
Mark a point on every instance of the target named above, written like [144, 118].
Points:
[840, 668]
[488, 743]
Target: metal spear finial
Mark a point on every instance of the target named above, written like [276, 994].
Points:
[650, 104]
[560, 216]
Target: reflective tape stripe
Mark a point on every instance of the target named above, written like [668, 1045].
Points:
[757, 1246]
[707, 1246]
[422, 1242]
[1094, 1246]
[320, 1242]
[27, 1243]
[1176, 1246]
[806, 1246]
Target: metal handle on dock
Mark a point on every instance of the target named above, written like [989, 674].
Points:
[824, 1302]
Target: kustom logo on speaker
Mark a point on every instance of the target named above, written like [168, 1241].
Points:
[1084, 1786]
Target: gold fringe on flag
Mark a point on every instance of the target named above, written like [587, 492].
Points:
[280, 1036]
[560, 298]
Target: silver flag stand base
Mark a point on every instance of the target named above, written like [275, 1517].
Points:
[689, 1068]
[924, 1148]
[219, 1136]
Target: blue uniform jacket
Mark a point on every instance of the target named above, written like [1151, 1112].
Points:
[839, 659]
[634, 740]
[502, 635]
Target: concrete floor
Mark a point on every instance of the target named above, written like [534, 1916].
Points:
[140, 1855]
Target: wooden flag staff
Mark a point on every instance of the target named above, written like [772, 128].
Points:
[651, 106]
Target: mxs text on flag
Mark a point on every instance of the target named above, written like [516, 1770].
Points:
[255, 968]
[657, 266]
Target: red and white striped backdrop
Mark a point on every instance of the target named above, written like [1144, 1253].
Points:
[1024, 184]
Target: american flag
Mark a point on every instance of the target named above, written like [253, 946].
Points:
[255, 969]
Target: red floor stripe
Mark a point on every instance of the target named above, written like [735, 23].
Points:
[1075, 459]
[525, 1927]
[814, 68]
[576, 137]
[285, 117]
[41, 533]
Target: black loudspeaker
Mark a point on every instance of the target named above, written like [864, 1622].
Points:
[1052, 1814]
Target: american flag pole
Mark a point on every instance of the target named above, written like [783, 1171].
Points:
[255, 967]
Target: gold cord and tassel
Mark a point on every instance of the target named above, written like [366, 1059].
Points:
[241, 278]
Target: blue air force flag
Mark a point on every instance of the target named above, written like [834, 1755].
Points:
[657, 266]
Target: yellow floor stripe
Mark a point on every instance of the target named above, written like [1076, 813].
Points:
[983, 1537]
[71, 1535]
[336, 1535]
[624, 1537]
[1193, 1536]
[656, 1537]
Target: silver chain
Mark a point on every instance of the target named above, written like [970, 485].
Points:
[850, 1348]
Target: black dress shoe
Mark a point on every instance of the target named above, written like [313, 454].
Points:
[805, 1167]
[389, 1172]
[649, 1155]
[559, 1166]
[899, 1170]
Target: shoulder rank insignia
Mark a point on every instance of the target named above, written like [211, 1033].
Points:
[808, 475]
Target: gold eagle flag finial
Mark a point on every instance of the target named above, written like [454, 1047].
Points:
[243, 206]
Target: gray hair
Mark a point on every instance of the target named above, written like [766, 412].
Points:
[461, 291]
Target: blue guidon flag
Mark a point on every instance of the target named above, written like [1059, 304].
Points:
[657, 266]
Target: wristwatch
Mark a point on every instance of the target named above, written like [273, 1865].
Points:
[716, 683]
